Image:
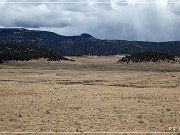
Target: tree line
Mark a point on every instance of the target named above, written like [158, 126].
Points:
[148, 57]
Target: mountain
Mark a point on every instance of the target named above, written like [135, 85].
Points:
[83, 44]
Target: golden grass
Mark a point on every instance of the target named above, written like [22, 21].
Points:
[93, 94]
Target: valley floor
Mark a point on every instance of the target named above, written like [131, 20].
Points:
[92, 94]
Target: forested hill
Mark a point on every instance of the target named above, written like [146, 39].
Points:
[148, 57]
[26, 52]
[83, 44]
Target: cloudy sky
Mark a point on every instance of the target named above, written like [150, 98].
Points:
[150, 20]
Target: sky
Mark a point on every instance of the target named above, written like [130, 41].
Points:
[147, 20]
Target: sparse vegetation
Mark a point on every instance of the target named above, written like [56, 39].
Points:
[148, 57]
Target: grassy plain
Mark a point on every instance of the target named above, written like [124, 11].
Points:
[92, 94]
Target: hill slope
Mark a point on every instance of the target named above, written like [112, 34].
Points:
[83, 44]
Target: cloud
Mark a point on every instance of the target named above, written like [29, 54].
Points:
[127, 19]
[175, 8]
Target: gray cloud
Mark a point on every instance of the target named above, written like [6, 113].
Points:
[174, 7]
[126, 20]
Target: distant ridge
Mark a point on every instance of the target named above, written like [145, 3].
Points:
[83, 44]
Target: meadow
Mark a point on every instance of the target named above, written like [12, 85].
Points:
[92, 94]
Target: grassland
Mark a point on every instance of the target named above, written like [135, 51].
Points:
[92, 94]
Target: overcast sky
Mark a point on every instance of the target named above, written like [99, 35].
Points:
[150, 20]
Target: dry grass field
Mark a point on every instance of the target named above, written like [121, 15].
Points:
[92, 94]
